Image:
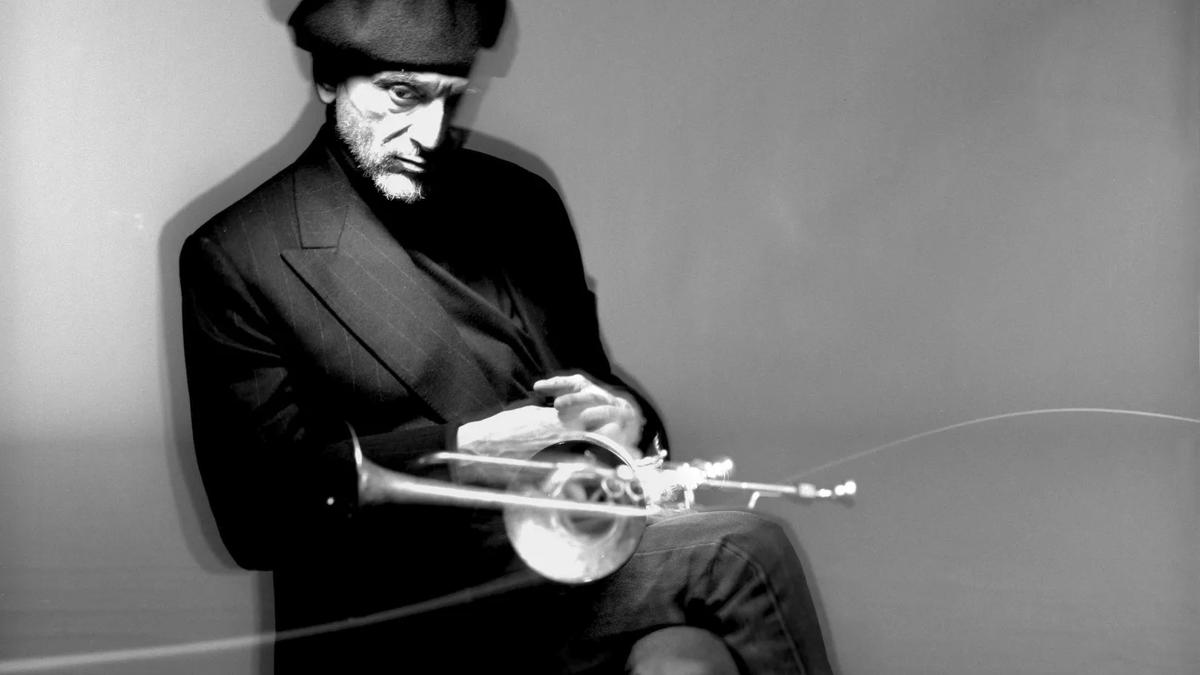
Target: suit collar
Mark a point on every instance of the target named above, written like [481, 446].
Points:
[323, 194]
[366, 278]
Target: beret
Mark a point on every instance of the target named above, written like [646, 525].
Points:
[435, 35]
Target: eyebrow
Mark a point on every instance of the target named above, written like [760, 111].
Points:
[440, 87]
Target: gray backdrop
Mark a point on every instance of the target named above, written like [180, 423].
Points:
[816, 228]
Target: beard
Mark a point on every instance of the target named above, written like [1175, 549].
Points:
[376, 163]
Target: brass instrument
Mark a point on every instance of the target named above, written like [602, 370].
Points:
[576, 509]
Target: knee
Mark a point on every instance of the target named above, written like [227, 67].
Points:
[680, 650]
[761, 537]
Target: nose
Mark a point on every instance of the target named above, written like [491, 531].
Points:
[429, 125]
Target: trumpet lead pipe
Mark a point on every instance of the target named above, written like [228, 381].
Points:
[470, 458]
[758, 487]
[401, 488]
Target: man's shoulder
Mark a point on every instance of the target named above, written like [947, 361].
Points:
[269, 205]
[476, 167]
[267, 213]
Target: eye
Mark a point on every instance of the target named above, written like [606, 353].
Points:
[406, 95]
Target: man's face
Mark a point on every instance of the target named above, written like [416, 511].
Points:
[392, 122]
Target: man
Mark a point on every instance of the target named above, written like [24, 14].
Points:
[391, 294]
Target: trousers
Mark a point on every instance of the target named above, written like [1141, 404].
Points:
[732, 573]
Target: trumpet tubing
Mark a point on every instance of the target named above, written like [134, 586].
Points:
[575, 511]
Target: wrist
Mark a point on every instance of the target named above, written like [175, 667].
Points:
[468, 435]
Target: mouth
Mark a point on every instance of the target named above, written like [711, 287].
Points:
[397, 164]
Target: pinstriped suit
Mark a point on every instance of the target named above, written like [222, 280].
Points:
[303, 311]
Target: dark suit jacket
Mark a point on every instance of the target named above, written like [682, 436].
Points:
[303, 312]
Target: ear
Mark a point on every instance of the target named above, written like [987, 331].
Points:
[326, 92]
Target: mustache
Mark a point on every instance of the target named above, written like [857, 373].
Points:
[397, 161]
[385, 164]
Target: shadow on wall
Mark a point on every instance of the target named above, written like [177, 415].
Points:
[493, 64]
[197, 523]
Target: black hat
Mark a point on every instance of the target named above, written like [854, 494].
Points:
[436, 35]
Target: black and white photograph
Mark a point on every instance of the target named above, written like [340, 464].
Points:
[650, 337]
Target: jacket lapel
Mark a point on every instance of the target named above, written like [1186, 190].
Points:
[366, 278]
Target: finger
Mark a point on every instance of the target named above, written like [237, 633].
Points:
[561, 384]
[598, 416]
[589, 397]
[613, 407]
[570, 420]
[612, 430]
[625, 437]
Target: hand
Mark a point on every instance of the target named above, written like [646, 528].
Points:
[519, 432]
[586, 406]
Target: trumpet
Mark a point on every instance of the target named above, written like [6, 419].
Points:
[575, 510]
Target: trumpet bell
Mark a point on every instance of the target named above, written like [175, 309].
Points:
[577, 548]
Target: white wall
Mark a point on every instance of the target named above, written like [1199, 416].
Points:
[816, 228]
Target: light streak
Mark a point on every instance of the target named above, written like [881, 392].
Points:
[101, 658]
[991, 418]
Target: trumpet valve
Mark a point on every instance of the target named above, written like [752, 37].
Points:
[720, 469]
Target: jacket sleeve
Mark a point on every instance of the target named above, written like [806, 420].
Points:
[278, 468]
[577, 339]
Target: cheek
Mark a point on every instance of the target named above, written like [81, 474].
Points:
[370, 112]
[390, 127]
